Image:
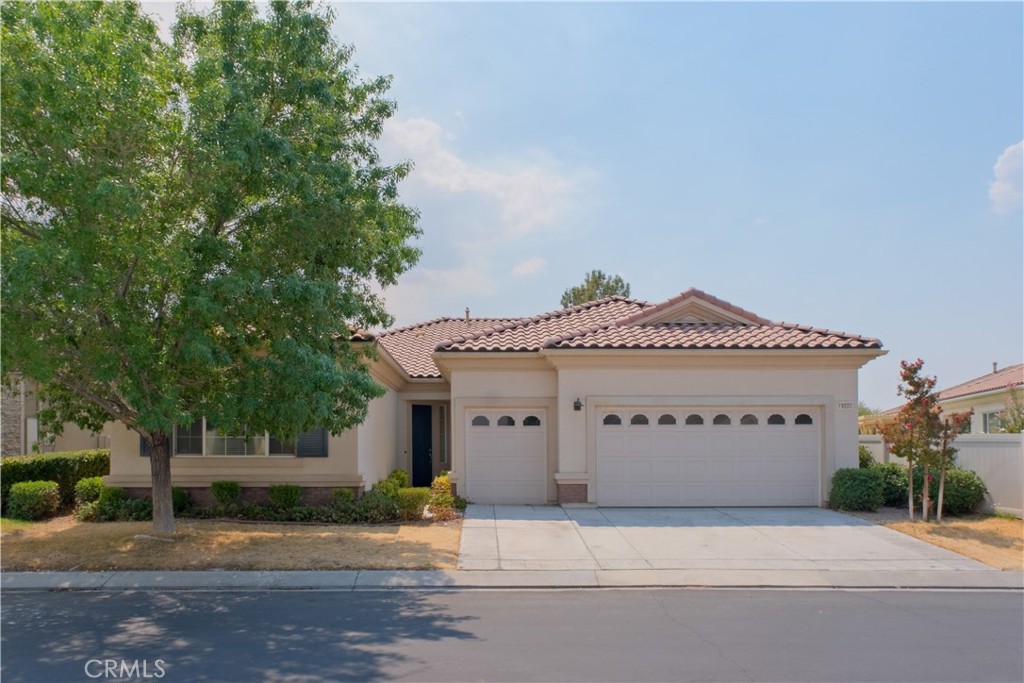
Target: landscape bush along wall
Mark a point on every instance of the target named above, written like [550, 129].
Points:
[886, 484]
[65, 468]
[34, 500]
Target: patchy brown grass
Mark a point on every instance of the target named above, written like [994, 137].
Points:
[996, 541]
[65, 544]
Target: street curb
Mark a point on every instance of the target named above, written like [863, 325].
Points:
[375, 580]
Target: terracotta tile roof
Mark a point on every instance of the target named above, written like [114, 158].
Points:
[530, 334]
[710, 336]
[611, 323]
[412, 346]
[993, 381]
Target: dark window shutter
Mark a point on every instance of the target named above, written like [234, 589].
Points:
[143, 447]
[312, 444]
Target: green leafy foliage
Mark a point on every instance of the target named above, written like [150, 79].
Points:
[411, 502]
[894, 483]
[88, 490]
[856, 489]
[181, 500]
[964, 493]
[400, 477]
[341, 497]
[65, 468]
[864, 456]
[226, 492]
[31, 500]
[116, 510]
[596, 285]
[193, 229]
[285, 496]
[442, 502]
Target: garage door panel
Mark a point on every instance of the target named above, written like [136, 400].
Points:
[708, 464]
[507, 463]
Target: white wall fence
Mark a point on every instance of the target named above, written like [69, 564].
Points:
[997, 458]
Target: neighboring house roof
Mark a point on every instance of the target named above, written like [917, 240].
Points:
[412, 346]
[691, 320]
[1012, 376]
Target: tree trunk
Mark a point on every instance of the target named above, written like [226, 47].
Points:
[160, 467]
[910, 488]
[942, 491]
[925, 503]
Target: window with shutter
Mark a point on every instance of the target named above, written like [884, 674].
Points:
[312, 444]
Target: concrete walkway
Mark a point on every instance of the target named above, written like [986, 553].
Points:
[552, 547]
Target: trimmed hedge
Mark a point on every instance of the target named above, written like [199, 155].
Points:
[963, 494]
[285, 496]
[65, 468]
[88, 490]
[894, 483]
[33, 500]
[856, 489]
[226, 492]
[411, 501]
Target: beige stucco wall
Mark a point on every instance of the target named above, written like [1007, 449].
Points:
[684, 380]
[826, 383]
[339, 468]
[989, 402]
[515, 381]
[377, 441]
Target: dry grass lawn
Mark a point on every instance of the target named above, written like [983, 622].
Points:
[66, 544]
[996, 541]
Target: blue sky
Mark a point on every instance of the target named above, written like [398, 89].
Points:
[849, 166]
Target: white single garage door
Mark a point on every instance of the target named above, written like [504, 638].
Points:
[708, 456]
[506, 456]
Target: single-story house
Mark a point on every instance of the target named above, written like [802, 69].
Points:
[616, 402]
[988, 396]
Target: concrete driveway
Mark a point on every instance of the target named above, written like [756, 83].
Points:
[498, 537]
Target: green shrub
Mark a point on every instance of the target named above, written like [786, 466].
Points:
[400, 477]
[110, 494]
[411, 502]
[387, 487]
[894, 483]
[442, 502]
[33, 500]
[226, 492]
[461, 503]
[88, 490]
[123, 510]
[180, 500]
[865, 457]
[285, 496]
[963, 493]
[342, 497]
[376, 508]
[65, 468]
[856, 489]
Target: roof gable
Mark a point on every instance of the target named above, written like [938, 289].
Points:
[694, 306]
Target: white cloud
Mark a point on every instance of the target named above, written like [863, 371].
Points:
[529, 266]
[1005, 191]
[529, 197]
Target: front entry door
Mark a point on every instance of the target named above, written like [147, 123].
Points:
[422, 441]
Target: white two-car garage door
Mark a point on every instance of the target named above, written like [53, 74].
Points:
[708, 456]
[506, 455]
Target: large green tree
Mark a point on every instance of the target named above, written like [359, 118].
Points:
[193, 229]
[596, 285]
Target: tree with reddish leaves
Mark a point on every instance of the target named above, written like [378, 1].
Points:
[921, 434]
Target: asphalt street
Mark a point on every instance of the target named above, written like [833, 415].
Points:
[505, 635]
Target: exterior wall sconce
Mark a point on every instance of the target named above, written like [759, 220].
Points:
[577, 405]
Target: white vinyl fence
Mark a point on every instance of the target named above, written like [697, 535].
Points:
[997, 458]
